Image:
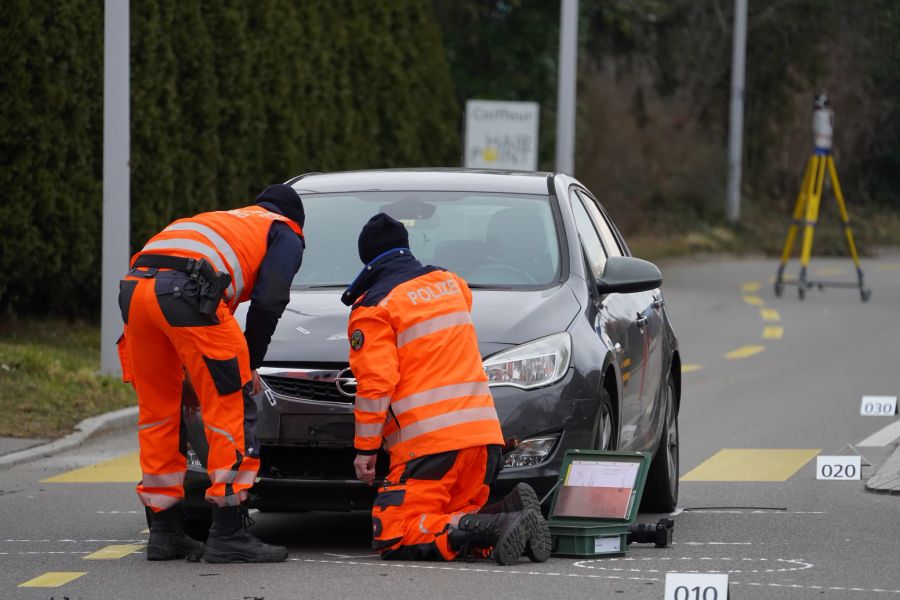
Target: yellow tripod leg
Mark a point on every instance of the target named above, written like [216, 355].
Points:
[799, 210]
[812, 214]
[845, 221]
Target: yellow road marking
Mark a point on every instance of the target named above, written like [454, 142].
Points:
[888, 267]
[750, 286]
[769, 314]
[773, 332]
[690, 368]
[53, 579]
[744, 352]
[115, 551]
[732, 464]
[828, 271]
[753, 300]
[124, 469]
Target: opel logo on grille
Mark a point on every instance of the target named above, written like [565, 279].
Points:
[346, 383]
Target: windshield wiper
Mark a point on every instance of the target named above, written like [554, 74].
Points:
[317, 286]
[484, 286]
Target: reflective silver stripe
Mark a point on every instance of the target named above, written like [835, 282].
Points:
[229, 476]
[422, 525]
[457, 417]
[232, 500]
[161, 480]
[373, 405]
[192, 246]
[369, 429]
[158, 500]
[456, 390]
[433, 325]
[221, 431]
[149, 425]
[223, 247]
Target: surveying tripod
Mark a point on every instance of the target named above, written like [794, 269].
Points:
[806, 213]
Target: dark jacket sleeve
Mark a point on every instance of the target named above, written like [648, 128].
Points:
[272, 289]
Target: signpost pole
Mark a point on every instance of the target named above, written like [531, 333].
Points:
[565, 104]
[736, 113]
[116, 177]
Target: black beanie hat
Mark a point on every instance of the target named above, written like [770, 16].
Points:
[285, 199]
[380, 234]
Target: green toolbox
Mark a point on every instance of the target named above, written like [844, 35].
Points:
[597, 498]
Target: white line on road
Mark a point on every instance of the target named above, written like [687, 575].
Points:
[883, 436]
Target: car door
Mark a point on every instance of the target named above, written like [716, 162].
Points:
[648, 320]
[613, 318]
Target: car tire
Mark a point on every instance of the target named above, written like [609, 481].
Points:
[605, 437]
[661, 490]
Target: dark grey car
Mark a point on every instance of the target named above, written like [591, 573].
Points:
[573, 330]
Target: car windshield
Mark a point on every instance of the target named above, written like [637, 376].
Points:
[490, 239]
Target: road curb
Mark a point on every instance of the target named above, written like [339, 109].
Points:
[85, 430]
[887, 478]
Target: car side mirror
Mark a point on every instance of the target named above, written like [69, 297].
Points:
[626, 274]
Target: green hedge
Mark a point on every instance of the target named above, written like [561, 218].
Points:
[227, 97]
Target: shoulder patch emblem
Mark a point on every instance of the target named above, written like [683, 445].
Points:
[356, 339]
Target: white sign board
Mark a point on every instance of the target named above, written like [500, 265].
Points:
[878, 406]
[501, 135]
[696, 586]
[843, 468]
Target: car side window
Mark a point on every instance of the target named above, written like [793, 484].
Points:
[593, 247]
[606, 234]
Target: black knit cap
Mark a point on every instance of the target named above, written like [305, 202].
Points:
[380, 234]
[285, 199]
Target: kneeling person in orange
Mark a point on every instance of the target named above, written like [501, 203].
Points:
[177, 302]
[423, 394]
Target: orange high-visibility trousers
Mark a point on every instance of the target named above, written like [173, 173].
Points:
[165, 334]
[421, 498]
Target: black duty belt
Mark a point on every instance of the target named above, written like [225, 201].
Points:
[212, 283]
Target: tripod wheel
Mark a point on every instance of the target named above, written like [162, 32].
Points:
[779, 289]
[865, 294]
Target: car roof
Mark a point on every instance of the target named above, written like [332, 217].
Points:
[435, 179]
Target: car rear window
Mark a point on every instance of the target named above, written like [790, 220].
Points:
[490, 239]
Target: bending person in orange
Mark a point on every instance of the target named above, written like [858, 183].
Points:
[177, 302]
[422, 393]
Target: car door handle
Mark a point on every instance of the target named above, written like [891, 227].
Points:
[658, 302]
[641, 320]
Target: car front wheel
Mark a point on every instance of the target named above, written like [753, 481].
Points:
[661, 490]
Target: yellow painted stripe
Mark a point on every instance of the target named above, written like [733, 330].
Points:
[732, 464]
[690, 368]
[773, 332]
[753, 300]
[888, 267]
[828, 271]
[626, 376]
[53, 579]
[626, 363]
[744, 352]
[124, 469]
[750, 286]
[115, 551]
[769, 314]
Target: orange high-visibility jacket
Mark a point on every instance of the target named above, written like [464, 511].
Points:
[421, 386]
[233, 241]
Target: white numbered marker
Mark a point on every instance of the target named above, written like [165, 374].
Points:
[878, 406]
[696, 586]
[843, 468]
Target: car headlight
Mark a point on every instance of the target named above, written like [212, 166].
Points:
[532, 451]
[532, 364]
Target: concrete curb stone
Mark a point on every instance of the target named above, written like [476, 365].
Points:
[85, 430]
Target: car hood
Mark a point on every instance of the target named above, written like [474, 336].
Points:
[313, 328]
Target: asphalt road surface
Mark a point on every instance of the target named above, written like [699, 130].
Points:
[769, 384]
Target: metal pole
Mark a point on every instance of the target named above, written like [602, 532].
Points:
[565, 103]
[116, 176]
[736, 113]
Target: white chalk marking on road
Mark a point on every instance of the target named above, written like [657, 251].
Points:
[677, 512]
[352, 556]
[120, 512]
[796, 565]
[78, 541]
[883, 436]
[714, 544]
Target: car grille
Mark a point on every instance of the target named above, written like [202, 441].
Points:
[306, 389]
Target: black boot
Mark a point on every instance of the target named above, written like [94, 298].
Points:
[229, 541]
[523, 497]
[167, 538]
[506, 534]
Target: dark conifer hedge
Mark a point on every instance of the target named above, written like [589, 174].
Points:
[227, 97]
